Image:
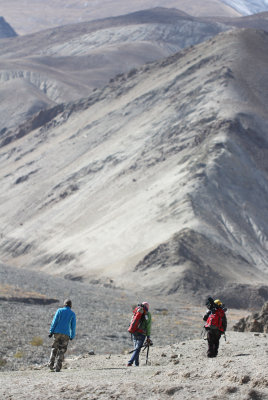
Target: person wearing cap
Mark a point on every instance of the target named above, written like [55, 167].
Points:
[216, 325]
[143, 332]
[63, 328]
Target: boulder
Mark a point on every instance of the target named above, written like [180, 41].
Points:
[257, 322]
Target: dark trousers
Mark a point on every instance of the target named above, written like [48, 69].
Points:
[213, 337]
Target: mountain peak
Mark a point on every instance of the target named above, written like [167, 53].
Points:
[6, 30]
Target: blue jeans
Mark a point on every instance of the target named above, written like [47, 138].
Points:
[138, 340]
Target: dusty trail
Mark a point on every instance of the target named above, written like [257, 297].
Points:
[179, 371]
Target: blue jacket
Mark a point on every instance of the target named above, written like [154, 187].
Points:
[64, 322]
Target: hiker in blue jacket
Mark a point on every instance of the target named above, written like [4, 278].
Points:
[63, 328]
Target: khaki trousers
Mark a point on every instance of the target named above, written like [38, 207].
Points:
[59, 348]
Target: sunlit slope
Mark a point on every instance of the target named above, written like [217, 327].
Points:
[160, 175]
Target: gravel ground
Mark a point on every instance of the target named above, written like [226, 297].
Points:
[103, 316]
[178, 371]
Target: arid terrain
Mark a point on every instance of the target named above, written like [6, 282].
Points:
[177, 371]
[133, 167]
[160, 177]
[103, 316]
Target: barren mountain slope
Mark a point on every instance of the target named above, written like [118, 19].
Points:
[36, 16]
[165, 169]
[67, 63]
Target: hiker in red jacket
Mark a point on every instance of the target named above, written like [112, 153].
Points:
[216, 324]
[140, 329]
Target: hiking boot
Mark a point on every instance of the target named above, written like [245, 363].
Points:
[51, 367]
[129, 365]
[57, 370]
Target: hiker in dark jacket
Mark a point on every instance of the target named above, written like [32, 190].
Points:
[142, 332]
[216, 324]
[63, 328]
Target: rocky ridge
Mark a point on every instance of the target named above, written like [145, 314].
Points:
[256, 322]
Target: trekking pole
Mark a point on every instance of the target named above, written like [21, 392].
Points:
[203, 333]
[132, 351]
[146, 346]
[147, 355]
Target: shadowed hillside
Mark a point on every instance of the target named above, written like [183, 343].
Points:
[160, 177]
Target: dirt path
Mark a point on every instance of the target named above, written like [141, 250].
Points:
[179, 371]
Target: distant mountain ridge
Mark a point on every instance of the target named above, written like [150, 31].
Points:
[256, 21]
[6, 31]
[62, 12]
[248, 7]
[66, 63]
